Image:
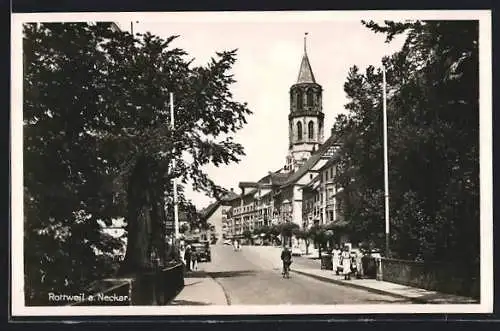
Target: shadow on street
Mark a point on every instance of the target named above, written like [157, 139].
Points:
[219, 274]
[226, 274]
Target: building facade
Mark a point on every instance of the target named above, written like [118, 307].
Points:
[299, 192]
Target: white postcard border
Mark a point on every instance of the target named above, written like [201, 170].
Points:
[486, 173]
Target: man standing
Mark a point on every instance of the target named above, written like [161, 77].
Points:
[286, 258]
[187, 257]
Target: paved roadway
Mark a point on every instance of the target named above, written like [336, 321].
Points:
[252, 276]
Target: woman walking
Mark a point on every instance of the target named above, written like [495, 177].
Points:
[346, 263]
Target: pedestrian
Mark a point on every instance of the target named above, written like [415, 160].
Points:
[187, 257]
[346, 263]
[194, 258]
[286, 258]
[359, 263]
[335, 259]
[182, 252]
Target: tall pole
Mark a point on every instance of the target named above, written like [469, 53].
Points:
[132, 28]
[386, 166]
[176, 208]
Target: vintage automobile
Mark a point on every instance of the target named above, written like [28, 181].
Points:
[296, 251]
[203, 251]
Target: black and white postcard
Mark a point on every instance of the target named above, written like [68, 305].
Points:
[263, 163]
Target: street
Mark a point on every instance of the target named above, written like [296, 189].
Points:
[252, 276]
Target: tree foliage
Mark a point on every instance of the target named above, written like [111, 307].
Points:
[98, 145]
[433, 123]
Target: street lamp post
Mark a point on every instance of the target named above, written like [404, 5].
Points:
[386, 165]
[132, 27]
[176, 207]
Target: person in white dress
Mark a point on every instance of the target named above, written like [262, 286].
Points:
[346, 263]
[335, 259]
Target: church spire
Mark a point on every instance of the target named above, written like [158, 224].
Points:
[305, 73]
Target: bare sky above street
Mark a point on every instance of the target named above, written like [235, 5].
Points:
[269, 55]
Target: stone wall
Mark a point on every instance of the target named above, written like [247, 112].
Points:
[148, 288]
[436, 277]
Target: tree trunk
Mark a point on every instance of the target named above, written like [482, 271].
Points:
[307, 246]
[144, 221]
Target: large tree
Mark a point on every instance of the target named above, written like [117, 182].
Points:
[98, 144]
[433, 123]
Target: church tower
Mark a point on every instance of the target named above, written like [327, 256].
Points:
[306, 118]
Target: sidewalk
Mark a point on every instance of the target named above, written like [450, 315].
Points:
[200, 290]
[417, 295]
[306, 265]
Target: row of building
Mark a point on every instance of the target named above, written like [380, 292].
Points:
[303, 191]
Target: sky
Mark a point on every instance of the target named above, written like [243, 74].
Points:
[268, 59]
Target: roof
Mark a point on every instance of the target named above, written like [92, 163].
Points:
[333, 160]
[208, 211]
[279, 178]
[230, 195]
[312, 185]
[305, 72]
[310, 162]
[251, 192]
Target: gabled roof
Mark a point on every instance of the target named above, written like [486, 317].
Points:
[210, 209]
[311, 162]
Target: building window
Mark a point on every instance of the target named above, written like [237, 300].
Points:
[299, 131]
[299, 100]
[310, 130]
[310, 98]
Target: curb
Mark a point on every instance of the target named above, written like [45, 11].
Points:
[359, 287]
[226, 294]
[207, 275]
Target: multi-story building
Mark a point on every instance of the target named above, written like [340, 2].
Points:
[217, 214]
[298, 192]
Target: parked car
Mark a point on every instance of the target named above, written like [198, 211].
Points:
[296, 251]
[203, 251]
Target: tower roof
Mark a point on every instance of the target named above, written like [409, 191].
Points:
[305, 72]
